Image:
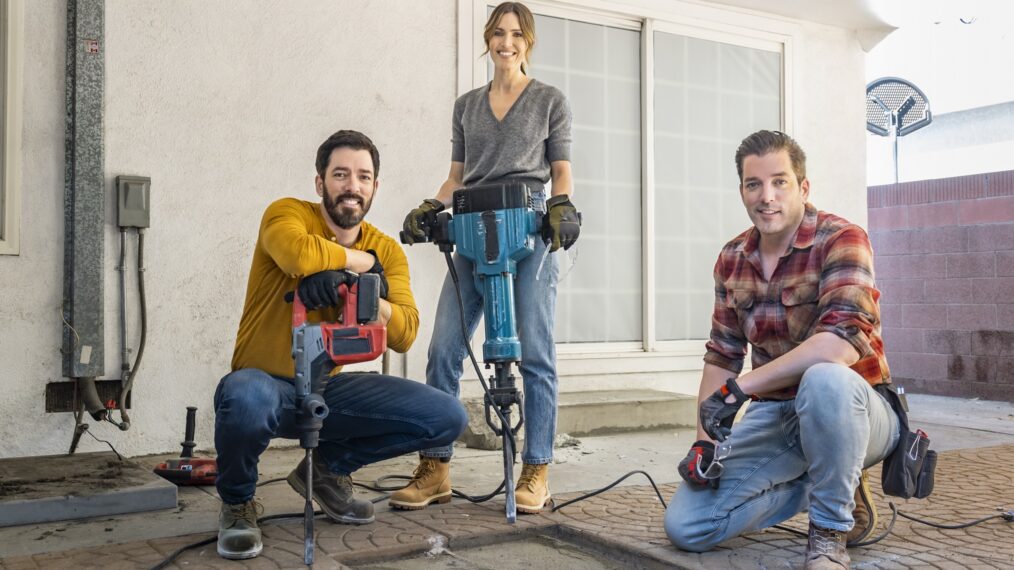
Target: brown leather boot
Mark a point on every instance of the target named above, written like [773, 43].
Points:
[825, 550]
[431, 482]
[532, 492]
[334, 493]
[865, 513]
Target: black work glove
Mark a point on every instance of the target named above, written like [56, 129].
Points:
[321, 289]
[416, 222]
[716, 415]
[696, 463]
[562, 223]
[379, 270]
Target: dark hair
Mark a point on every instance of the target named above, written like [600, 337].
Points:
[525, 18]
[350, 139]
[763, 142]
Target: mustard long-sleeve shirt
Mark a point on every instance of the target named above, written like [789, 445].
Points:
[293, 242]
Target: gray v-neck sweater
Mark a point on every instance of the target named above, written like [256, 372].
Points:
[534, 133]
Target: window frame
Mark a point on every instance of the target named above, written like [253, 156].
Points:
[10, 100]
[723, 24]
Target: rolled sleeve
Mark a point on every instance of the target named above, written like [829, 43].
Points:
[848, 304]
[727, 345]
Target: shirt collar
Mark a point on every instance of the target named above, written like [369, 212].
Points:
[807, 228]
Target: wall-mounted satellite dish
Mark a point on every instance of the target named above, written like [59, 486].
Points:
[895, 108]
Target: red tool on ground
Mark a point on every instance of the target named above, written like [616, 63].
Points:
[189, 470]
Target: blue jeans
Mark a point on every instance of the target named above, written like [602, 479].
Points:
[535, 310]
[787, 457]
[373, 417]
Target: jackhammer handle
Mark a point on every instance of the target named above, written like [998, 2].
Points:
[428, 224]
[188, 436]
[291, 295]
[409, 239]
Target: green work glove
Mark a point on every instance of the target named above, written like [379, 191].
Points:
[562, 223]
[419, 220]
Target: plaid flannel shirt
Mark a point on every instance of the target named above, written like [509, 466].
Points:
[823, 284]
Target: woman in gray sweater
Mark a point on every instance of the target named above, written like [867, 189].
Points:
[514, 128]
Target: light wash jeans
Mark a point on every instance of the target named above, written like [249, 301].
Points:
[373, 417]
[790, 456]
[535, 311]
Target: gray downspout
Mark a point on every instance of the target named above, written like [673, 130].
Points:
[84, 202]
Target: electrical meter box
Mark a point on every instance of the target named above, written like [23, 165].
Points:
[133, 203]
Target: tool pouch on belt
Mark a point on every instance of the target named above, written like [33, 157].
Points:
[908, 470]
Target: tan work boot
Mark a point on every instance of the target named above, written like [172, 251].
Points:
[431, 483]
[865, 513]
[239, 537]
[825, 550]
[532, 492]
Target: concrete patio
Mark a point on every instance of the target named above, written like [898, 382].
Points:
[622, 528]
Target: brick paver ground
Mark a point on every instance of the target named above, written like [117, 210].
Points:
[970, 484]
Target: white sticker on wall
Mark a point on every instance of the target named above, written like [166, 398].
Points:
[86, 354]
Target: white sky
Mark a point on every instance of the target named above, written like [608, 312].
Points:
[958, 66]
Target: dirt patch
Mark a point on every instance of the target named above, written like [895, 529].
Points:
[26, 478]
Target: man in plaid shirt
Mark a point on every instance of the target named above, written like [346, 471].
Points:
[798, 288]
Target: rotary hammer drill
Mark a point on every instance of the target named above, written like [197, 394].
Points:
[319, 347]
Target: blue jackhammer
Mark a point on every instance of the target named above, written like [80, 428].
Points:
[495, 226]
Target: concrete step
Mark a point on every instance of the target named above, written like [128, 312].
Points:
[614, 411]
[596, 412]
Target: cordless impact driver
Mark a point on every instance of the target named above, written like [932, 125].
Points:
[316, 349]
[495, 226]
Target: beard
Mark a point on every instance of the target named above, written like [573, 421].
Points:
[343, 216]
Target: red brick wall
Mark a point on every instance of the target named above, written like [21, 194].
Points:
[944, 254]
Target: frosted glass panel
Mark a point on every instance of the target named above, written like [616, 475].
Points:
[708, 97]
[599, 69]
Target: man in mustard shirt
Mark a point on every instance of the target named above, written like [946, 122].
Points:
[373, 416]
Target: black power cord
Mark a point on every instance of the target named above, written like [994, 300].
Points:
[610, 486]
[895, 513]
[204, 542]
[379, 486]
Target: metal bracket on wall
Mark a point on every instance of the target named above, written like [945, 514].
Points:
[84, 192]
[62, 396]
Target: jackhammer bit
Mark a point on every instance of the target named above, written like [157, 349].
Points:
[311, 378]
[503, 394]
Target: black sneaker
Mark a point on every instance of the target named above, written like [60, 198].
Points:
[825, 550]
[239, 537]
[334, 493]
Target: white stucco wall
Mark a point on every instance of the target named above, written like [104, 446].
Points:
[831, 120]
[30, 326]
[223, 105]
